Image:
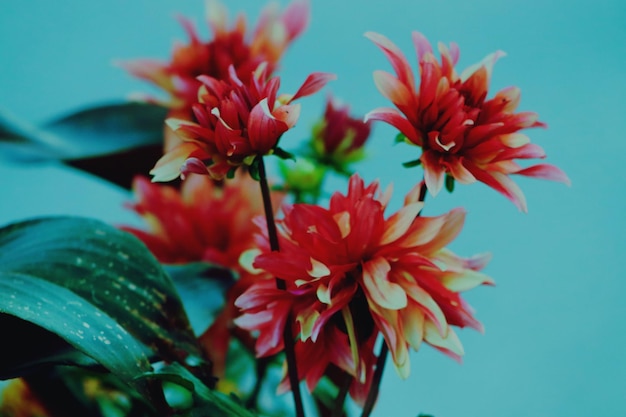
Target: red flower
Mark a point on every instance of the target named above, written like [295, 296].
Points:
[203, 221]
[351, 273]
[235, 122]
[229, 46]
[461, 132]
[338, 138]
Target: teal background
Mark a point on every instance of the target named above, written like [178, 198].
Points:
[555, 323]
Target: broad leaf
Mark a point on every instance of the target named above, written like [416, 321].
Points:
[80, 323]
[115, 142]
[107, 272]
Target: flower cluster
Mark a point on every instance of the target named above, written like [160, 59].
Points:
[327, 284]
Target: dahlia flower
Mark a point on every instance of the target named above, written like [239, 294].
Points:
[245, 50]
[203, 221]
[462, 133]
[351, 273]
[234, 123]
[230, 46]
[338, 138]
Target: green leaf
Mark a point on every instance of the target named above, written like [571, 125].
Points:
[87, 133]
[400, 138]
[413, 163]
[449, 183]
[283, 154]
[115, 141]
[80, 323]
[208, 402]
[109, 271]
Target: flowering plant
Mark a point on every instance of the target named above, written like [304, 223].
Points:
[239, 283]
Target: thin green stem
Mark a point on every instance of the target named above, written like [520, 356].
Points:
[288, 337]
[372, 395]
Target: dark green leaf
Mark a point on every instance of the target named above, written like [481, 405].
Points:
[283, 154]
[105, 268]
[115, 142]
[80, 323]
[95, 131]
[209, 402]
[120, 168]
[449, 183]
[253, 169]
[414, 163]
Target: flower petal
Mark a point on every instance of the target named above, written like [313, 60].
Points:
[546, 172]
[398, 224]
[264, 129]
[313, 83]
[395, 56]
[379, 289]
[168, 167]
[392, 88]
[395, 119]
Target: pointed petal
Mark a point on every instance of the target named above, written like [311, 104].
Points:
[395, 119]
[422, 46]
[433, 172]
[379, 289]
[264, 129]
[459, 172]
[398, 224]
[392, 88]
[450, 343]
[395, 56]
[168, 167]
[468, 279]
[413, 326]
[313, 83]
[546, 172]
[501, 183]
[296, 18]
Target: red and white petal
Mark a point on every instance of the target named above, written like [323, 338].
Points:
[392, 88]
[379, 289]
[313, 83]
[168, 167]
[264, 129]
[546, 172]
[395, 119]
[433, 172]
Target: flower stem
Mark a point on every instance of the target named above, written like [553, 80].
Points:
[372, 395]
[288, 337]
[344, 388]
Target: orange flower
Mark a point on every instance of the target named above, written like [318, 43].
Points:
[203, 221]
[350, 271]
[234, 123]
[462, 133]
